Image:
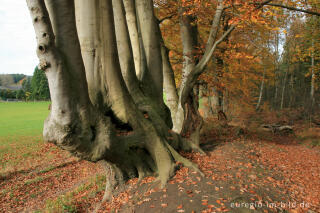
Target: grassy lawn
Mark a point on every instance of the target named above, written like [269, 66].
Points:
[22, 118]
[21, 125]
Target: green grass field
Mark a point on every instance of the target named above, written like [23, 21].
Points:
[21, 125]
[24, 154]
[22, 118]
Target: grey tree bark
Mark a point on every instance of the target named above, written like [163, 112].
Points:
[188, 121]
[261, 89]
[93, 86]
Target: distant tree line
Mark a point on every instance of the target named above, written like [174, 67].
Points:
[10, 79]
[31, 88]
[297, 73]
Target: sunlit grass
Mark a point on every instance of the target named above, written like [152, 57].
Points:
[22, 118]
[67, 202]
[21, 125]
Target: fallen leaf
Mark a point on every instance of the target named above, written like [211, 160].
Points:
[164, 205]
[253, 177]
[270, 178]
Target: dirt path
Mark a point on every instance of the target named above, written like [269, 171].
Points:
[272, 174]
[244, 174]
[233, 182]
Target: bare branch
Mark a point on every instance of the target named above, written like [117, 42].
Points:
[199, 68]
[259, 5]
[268, 3]
[294, 9]
[165, 18]
[201, 65]
[263, 3]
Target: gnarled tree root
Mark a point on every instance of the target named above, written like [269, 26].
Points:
[183, 160]
[114, 178]
[141, 162]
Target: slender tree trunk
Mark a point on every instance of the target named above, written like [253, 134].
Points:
[215, 101]
[276, 61]
[276, 94]
[292, 93]
[132, 25]
[312, 74]
[170, 90]
[261, 89]
[284, 87]
[205, 99]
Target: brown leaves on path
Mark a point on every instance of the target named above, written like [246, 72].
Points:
[236, 171]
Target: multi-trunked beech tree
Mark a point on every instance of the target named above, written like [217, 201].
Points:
[107, 67]
[101, 76]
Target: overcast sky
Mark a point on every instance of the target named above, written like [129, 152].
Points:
[17, 38]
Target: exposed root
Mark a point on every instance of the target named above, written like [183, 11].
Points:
[163, 160]
[189, 146]
[141, 166]
[197, 149]
[114, 177]
[183, 160]
[178, 142]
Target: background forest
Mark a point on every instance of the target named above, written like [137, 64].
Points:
[269, 62]
[23, 87]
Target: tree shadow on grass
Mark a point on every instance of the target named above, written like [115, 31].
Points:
[36, 170]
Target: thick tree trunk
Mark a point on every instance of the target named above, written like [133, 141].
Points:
[193, 121]
[187, 105]
[190, 124]
[74, 123]
[151, 45]
[99, 76]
